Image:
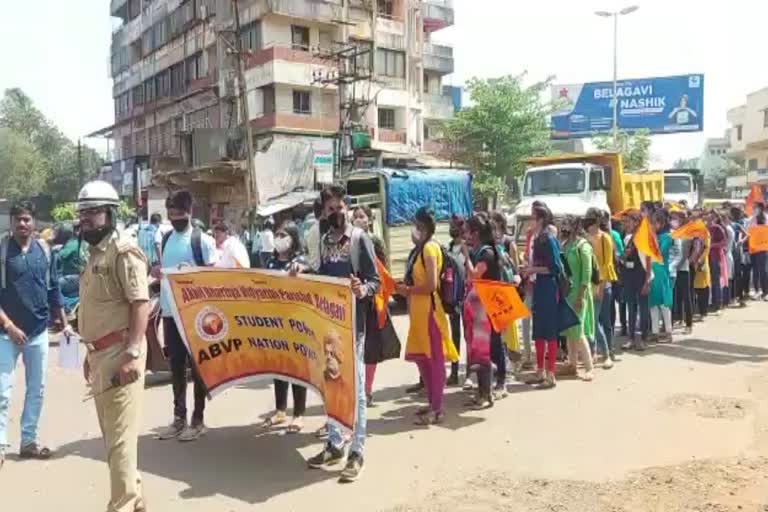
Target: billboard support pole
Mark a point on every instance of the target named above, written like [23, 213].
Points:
[615, 81]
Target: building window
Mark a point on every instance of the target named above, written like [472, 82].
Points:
[178, 84]
[268, 94]
[147, 42]
[137, 95]
[387, 118]
[426, 83]
[134, 9]
[753, 164]
[390, 63]
[426, 132]
[149, 90]
[163, 84]
[302, 102]
[738, 132]
[765, 118]
[386, 8]
[300, 37]
[195, 67]
[250, 36]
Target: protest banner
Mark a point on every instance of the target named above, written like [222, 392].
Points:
[257, 324]
[758, 238]
[501, 302]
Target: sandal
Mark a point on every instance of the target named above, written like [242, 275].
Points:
[322, 432]
[435, 418]
[34, 451]
[273, 421]
[296, 425]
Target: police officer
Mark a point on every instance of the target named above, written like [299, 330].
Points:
[114, 308]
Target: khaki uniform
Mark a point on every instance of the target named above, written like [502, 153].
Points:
[114, 277]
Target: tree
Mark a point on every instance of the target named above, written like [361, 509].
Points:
[56, 154]
[686, 163]
[635, 148]
[22, 170]
[715, 182]
[506, 123]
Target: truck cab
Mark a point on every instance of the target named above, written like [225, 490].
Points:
[566, 188]
[682, 185]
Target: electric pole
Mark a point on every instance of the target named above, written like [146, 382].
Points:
[251, 186]
[80, 173]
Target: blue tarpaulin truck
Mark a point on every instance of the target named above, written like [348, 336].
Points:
[394, 195]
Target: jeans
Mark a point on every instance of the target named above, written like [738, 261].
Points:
[603, 322]
[717, 290]
[335, 437]
[635, 300]
[178, 358]
[682, 303]
[34, 354]
[761, 275]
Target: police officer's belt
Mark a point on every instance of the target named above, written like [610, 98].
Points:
[107, 341]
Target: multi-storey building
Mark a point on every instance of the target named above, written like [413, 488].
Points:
[748, 131]
[176, 92]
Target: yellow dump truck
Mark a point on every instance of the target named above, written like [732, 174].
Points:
[570, 184]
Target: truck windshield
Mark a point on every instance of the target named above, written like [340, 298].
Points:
[677, 184]
[554, 181]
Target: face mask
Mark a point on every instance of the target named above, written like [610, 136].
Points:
[180, 225]
[324, 225]
[416, 235]
[455, 233]
[283, 244]
[361, 223]
[94, 236]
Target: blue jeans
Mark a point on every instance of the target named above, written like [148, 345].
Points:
[604, 322]
[358, 435]
[34, 354]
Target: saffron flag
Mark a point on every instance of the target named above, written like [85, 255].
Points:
[755, 196]
[695, 229]
[501, 302]
[646, 243]
[758, 238]
[381, 298]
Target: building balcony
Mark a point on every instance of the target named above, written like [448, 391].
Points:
[317, 10]
[302, 123]
[437, 106]
[392, 136]
[438, 14]
[756, 177]
[438, 58]
[116, 6]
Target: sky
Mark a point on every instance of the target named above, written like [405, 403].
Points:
[64, 67]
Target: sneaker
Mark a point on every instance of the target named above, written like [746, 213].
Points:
[499, 391]
[549, 381]
[193, 432]
[330, 456]
[468, 385]
[173, 430]
[416, 388]
[369, 400]
[608, 363]
[353, 469]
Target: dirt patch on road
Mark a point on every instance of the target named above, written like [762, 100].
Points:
[715, 407]
[707, 486]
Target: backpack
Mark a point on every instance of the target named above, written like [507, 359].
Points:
[197, 245]
[506, 265]
[4, 261]
[450, 279]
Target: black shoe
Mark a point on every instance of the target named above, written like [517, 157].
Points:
[453, 380]
[416, 388]
[353, 469]
[369, 401]
[330, 456]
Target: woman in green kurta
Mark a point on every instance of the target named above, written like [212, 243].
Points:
[660, 293]
[578, 256]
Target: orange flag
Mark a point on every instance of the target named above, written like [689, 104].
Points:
[758, 238]
[695, 229]
[385, 291]
[501, 302]
[646, 243]
[755, 196]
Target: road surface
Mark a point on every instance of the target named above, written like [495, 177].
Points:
[678, 427]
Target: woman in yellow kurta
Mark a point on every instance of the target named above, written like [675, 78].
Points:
[429, 344]
[701, 279]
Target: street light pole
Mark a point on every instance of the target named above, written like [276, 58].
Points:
[615, 15]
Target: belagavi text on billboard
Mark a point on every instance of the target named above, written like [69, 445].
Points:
[671, 104]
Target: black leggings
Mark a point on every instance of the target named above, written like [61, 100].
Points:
[299, 397]
[758, 267]
[456, 336]
[702, 301]
[499, 358]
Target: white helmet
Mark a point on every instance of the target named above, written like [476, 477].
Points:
[97, 193]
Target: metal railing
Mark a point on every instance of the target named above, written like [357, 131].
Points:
[440, 10]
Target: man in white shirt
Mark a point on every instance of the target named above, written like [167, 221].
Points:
[267, 239]
[231, 251]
